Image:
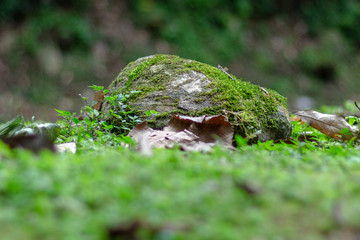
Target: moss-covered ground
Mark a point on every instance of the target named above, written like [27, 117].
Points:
[263, 191]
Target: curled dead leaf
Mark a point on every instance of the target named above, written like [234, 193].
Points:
[329, 124]
[99, 98]
[191, 133]
[207, 128]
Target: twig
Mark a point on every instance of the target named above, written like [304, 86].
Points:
[224, 70]
[264, 90]
[357, 105]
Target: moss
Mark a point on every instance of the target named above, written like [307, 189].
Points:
[238, 95]
[129, 74]
[165, 97]
[246, 105]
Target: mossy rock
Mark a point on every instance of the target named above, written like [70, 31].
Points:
[173, 85]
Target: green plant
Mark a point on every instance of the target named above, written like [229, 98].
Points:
[91, 128]
[122, 117]
[352, 120]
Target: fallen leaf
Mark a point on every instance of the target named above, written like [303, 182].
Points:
[207, 128]
[329, 124]
[99, 98]
[148, 138]
[190, 133]
[141, 133]
[65, 147]
[199, 146]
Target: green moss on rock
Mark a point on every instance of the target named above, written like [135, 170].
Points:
[173, 85]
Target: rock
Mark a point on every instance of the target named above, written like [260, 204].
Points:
[173, 85]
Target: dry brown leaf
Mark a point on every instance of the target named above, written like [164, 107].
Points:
[192, 134]
[148, 138]
[207, 128]
[99, 98]
[329, 124]
[140, 133]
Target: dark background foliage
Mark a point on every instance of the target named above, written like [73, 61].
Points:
[50, 51]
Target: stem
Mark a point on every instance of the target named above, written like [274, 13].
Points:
[357, 105]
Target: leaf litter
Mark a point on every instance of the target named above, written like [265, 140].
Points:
[190, 133]
[332, 125]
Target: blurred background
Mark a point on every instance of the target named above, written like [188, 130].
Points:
[52, 50]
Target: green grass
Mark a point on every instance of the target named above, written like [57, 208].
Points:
[263, 191]
[306, 190]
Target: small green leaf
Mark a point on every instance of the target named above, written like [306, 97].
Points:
[93, 103]
[153, 112]
[63, 113]
[87, 121]
[352, 120]
[96, 88]
[100, 134]
[75, 120]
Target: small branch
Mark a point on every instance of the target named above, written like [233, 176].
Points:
[357, 105]
[264, 90]
[224, 70]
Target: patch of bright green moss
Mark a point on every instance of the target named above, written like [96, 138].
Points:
[239, 96]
